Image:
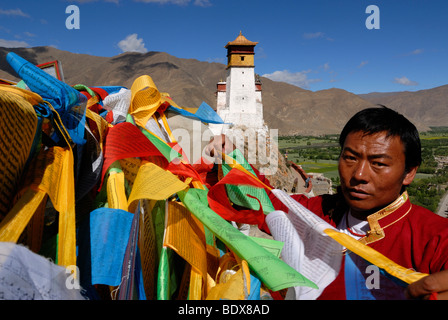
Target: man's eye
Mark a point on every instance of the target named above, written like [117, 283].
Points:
[348, 158]
[378, 164]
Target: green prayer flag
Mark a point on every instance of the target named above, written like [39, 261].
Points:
[271, 270]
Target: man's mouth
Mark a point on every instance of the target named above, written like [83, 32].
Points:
[357, 193]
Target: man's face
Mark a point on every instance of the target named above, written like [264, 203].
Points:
[372, 171]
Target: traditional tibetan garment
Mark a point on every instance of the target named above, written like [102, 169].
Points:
[409, 235]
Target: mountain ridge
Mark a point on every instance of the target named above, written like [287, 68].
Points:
[288, 108]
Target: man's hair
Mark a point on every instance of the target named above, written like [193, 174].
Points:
[382, 119]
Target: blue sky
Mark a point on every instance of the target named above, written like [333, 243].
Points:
[314, 44]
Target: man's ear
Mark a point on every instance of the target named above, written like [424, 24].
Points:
[410, 175]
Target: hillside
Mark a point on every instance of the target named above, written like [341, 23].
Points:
[427, 106]
[288, 108]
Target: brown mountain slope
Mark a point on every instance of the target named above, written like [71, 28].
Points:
[426, 106]
[288, 108]
[188, 81]
[308, 113]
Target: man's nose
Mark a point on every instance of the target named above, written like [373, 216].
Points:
[362, 171]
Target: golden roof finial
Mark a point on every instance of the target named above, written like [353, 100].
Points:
[242, 41]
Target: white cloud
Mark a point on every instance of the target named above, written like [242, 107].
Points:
[132, 44]
[14, 12]
[299, 79]
[316, 35]
[326, 66]
[202, 3]
[405, 81]
[363, 63]
[13, 44]
[29, 34]
[416, 51]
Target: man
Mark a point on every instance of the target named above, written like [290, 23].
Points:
[380, 155]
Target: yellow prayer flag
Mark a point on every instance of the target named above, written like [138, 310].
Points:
[53, 172]
[32, 97]
[373, 256]
[18, 123]
[152, 182]
[17, 219]
[196, 285]
[185, 235]
[145, 99]
[130, 167]
[235, 287]
[116, 194]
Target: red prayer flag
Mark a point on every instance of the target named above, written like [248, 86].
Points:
[125, 140]
[220, 203]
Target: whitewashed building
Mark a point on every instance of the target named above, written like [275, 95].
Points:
[238, 99]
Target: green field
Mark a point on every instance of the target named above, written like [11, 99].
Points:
[329, 170]
[320, 155]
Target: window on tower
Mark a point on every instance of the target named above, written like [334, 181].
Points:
[242, 58]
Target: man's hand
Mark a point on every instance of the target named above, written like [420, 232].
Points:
[433, 283]
[219, 144]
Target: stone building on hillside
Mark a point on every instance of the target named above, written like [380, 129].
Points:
[238, 99]
[239, 104]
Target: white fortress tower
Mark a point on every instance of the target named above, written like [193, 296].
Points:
[239, 101]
